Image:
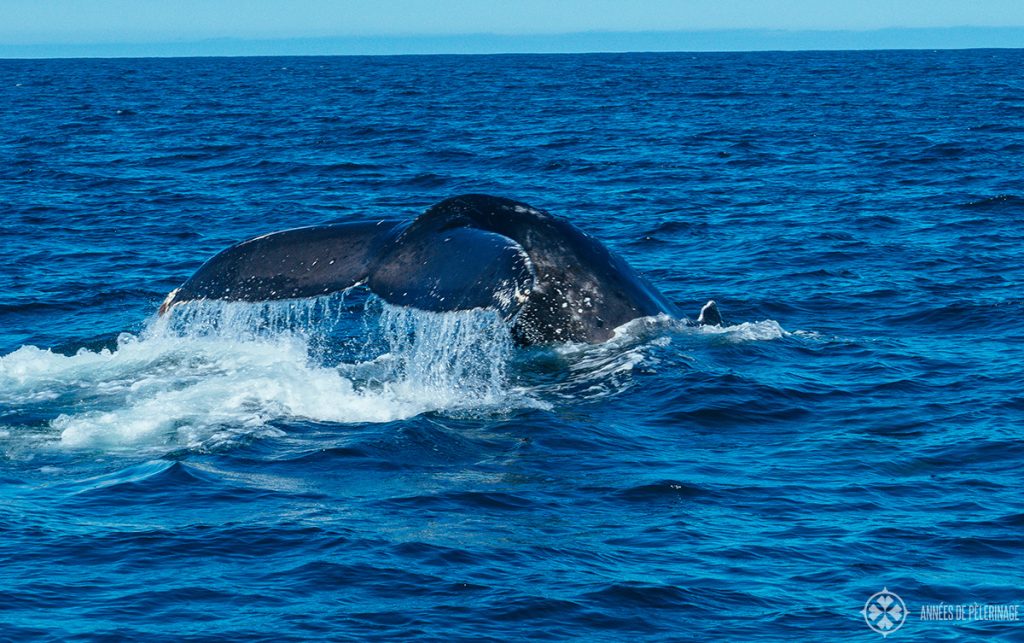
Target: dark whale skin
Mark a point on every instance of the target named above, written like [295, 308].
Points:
[551, 281]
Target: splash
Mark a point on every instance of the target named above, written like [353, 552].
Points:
[766, 330]
[251, 320]
[462, 357]
[216, 372]
[577, 371]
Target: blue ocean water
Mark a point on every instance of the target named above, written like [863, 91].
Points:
[338, 468]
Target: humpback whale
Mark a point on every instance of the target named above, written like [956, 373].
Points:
[548, 279]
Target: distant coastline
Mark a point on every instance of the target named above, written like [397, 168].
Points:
[588, 42]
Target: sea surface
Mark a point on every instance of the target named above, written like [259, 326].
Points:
[341, 469]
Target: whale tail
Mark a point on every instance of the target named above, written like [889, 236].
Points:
[709, 314]
[444, 269]
[552, 281]
[304, 262]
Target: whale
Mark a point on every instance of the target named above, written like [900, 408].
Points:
[549, 280]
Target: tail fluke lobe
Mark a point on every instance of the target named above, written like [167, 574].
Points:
[455, 269]
[304, 262]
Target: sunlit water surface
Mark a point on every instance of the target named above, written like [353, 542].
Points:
[338, 467]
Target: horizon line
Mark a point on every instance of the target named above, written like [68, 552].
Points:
[584, 42]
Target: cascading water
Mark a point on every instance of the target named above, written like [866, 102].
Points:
[460, 357]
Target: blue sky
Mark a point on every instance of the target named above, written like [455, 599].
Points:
[49, 24]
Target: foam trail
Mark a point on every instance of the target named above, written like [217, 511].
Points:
[598, 370]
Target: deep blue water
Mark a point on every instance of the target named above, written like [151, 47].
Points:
[336, 468]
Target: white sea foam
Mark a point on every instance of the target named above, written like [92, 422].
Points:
[597, 370]
[213, 372]
[645, 328]
[747, 331]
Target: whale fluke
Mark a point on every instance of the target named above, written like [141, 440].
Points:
[549, 280]
[304, 262]
[454, 269]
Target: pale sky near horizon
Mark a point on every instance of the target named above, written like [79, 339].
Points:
[30, 22]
